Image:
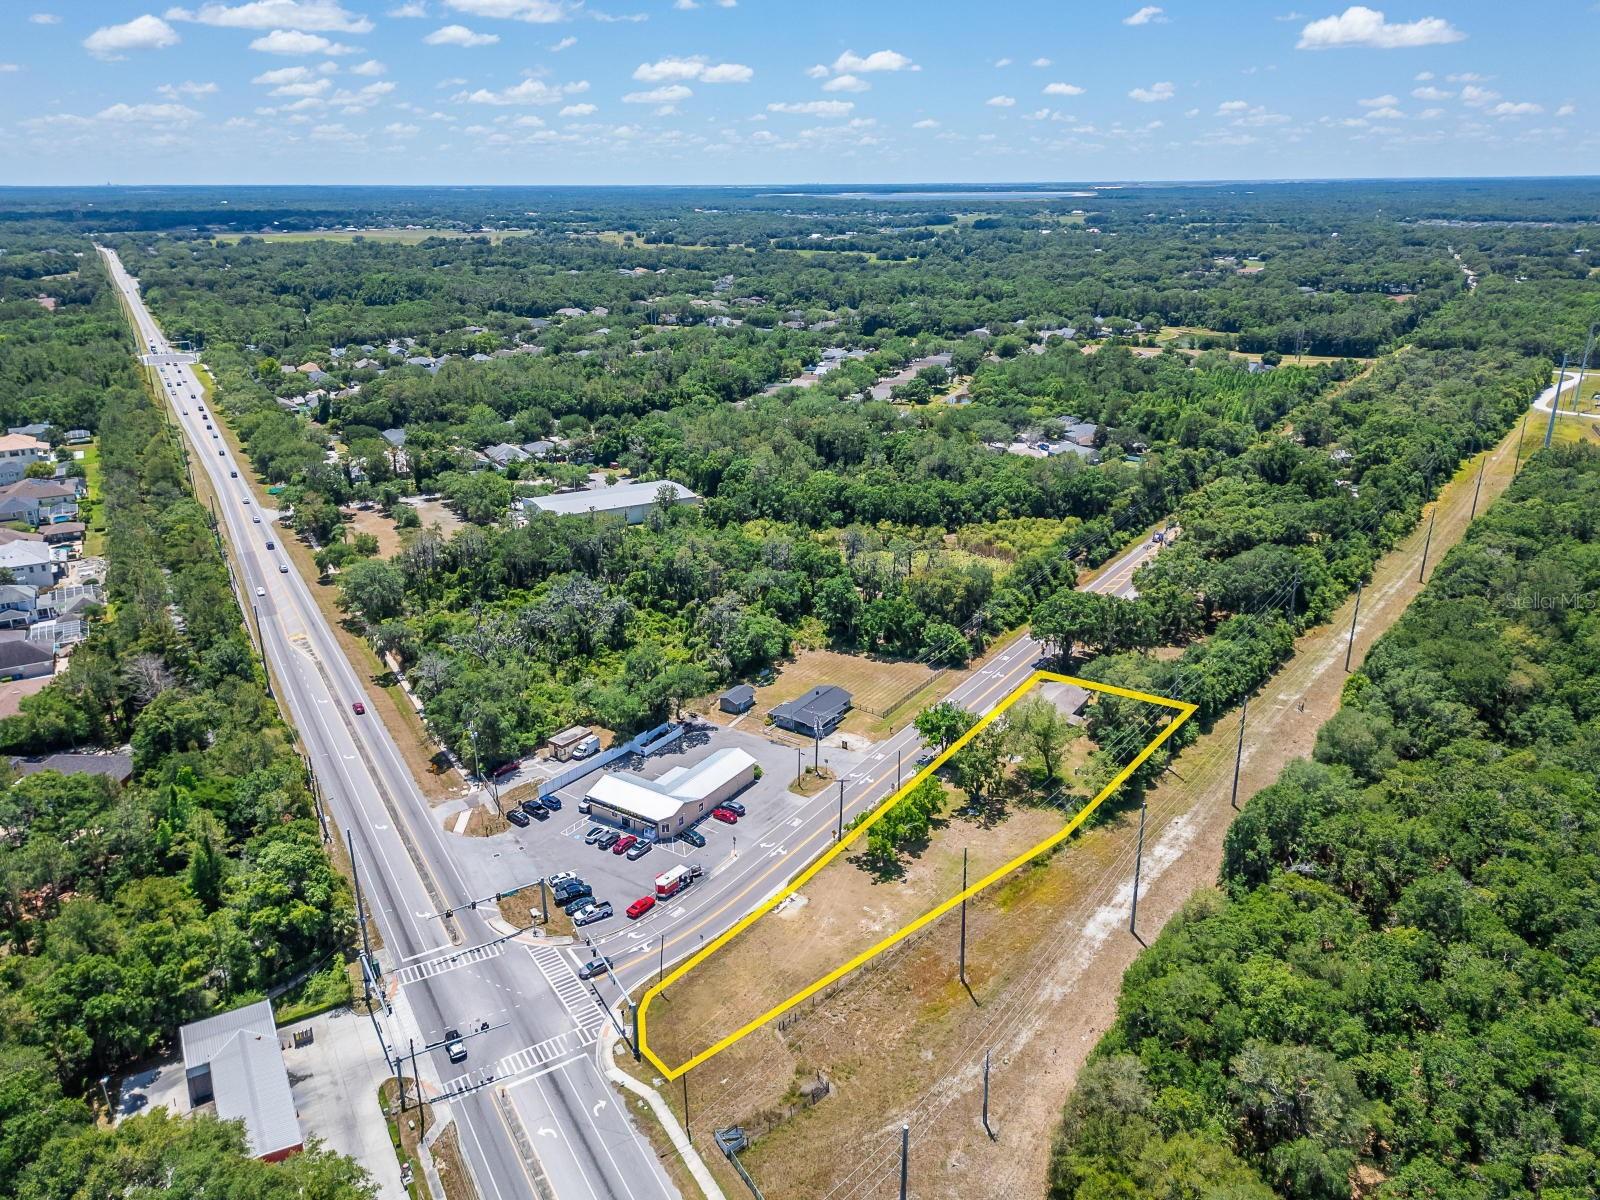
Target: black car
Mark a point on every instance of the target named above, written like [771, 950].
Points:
[734, 807]
[577, 902]
[535, 810]
[454, 1046]
[694, 837]
[573, 889]
[608, 839]
[519, 818]
[553, 803]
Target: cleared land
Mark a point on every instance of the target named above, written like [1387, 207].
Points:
[878, 686]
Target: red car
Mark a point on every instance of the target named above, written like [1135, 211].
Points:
[358, 708]
[640, 906]
[725, 816]
[623, 843]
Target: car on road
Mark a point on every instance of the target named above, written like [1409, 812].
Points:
[454, 1046]
[608, 839]
[255, 518]
[272, 545]
[726, 817]
[283, 568]
[926, 757]
[518, 818]
[734, 807]
[359, 709]
[623, 844]
[596, 832]
[640, 906]
[233, 474]
[638, 850]
[222, 454]
[261, 591]
[594, 967]
[694, 837]
[591, 913]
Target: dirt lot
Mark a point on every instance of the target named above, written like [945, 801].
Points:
[437, 512]
[901, 1040]
[381, 527]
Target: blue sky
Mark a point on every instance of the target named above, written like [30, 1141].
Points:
[766, 91]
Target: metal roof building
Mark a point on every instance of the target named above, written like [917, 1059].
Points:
[632, 501]
[666, 806]
[234, 1060]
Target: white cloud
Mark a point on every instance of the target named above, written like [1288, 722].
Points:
[578, 110]
[9, 68]
[1359, 25]
[292, 41]
[1148, 15]
[174, 90]
[1379, 101]
[540, 12]
[1476, 96]
[148, 114]
[112, 42]
[814, 108]
[1566, 110]
[846, 83]
[1522, 108]
[371, 67]
[413, 8]
[1423, 76]
[1431, 93]
[281, 75]
[401, 129]
[43, 18]
[878, 60]
[460, 35]
[1042, 62]
[1001, 101]
[529, 91]
[1229, 107]
[1468, 77]
[926, 123]
[319, 16]
[314, 87]
[1154, 93]
[727, 73]
[1386, 113]
[668, 94]
[1002, 62]
[677, 70]
[566, 43]
[817, 72]
[1430, 114]
[1062, 89]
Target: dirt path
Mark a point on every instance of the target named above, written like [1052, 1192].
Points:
[1040, 1019]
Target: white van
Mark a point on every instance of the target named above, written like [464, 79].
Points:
[589, 745]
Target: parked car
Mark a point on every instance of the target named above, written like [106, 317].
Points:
[530, 807]
[623, 844]
[272, 545]
[608, 839]
[454, 1046]
[926, 757]
[505, 769]
[518, 818]
[639, 849]
[573, 898]
[359, 709]
[594, 967]
[592, 913]
[596, 832]
[578, 903]
[561, 877]
[726, 817]
[640, 906]
[694, 837]
[734, 807]
[553, 803]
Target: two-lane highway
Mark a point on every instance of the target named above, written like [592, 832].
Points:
[522, 1114]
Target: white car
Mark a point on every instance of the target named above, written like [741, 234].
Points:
[255, 518]
[260, 591]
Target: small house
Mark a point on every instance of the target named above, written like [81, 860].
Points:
[815, 714]
[739, 699]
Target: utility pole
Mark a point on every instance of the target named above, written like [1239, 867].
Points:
[544, 901]
[661, 971]
[799, 769]
[415, 1078]
[897, 770]
[361, 920]
[963, 968]
[987, 1128]
[1238, 754]
[905, 1158]
[839, 835]
[1427, 541]
[399, 1076]
[1555, 403]
[1478, 487]
[1516, 463]
[1138, 863]
[1351, 644]
[688, 1130]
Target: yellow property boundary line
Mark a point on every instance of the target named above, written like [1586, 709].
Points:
[1184, 710]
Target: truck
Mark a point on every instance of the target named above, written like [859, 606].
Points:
[589, 745]
[670, 883]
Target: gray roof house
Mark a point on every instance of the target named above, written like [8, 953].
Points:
[503, 454]
[815, 714]
[738, 699]
[395, 437]
[631, 501]
[234, 1059]
[117, 766]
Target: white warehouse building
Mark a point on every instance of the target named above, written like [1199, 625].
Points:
[665, 807]
[630, 501]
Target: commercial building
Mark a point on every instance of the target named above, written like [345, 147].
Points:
[815, 714]
[665, 807]
[631, 501]
[233, 1060]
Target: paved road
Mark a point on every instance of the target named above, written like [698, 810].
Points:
[547, 1092]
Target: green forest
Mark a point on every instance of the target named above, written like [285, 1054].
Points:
[127, 911]
[1393, 992]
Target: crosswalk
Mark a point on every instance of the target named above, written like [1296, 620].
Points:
[575, 995]
[529, 1058]
[416, 972]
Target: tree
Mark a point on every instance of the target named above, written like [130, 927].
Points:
[943, 723]
[1045, 730]
[373, 587]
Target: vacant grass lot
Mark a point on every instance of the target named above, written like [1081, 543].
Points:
[876, 685]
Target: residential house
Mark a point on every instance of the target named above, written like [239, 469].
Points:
[815, 714]
[78, 437]
[37, 430]
[117, 765]
[503, 454]
[23, 658]
[18, 452]
[18, 603]
[38, 502]
[738, 699]
[29, 562]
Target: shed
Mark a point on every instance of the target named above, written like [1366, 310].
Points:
[739, 699]
[564, 743]
[234, 1060]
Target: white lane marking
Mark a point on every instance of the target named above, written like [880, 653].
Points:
[417, 972]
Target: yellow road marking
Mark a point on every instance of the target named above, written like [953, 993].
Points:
[1184, 710]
